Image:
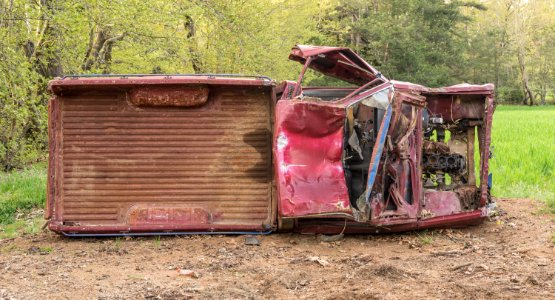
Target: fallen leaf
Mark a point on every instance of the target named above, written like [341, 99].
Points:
[318, 260]
[188, 273]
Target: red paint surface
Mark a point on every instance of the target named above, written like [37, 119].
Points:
[61, 228]
[307, 158]
[442, 203]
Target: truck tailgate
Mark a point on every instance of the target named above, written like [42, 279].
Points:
[156, 154]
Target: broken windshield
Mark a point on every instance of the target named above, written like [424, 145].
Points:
[379, 99]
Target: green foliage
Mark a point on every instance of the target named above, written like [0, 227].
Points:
[432, 42]
[21, 191]
[22, 111]
[415, 40]
[511, 44]
[437, 42]
[40, 40]
[184, 36]
[157, 242]
[425, 237]
[510, 94]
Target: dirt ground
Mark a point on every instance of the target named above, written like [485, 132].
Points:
[511, 256]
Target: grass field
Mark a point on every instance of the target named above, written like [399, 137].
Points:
[523, 165]
[524, 153]
[20, 192]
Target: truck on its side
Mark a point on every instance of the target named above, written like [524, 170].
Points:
[231, 154]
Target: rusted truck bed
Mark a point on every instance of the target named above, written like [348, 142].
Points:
[160, 153]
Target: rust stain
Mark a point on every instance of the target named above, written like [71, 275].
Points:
[467, 195]
[431, 147]
[169, 96]
[167, 215]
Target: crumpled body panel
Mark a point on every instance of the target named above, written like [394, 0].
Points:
[308, 150]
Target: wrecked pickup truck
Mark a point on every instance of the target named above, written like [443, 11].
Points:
[182, 154]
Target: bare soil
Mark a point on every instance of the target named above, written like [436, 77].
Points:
[510, 256]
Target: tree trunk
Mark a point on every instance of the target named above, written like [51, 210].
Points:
[496, 67]
[91, 54]
[191, 31]
[43, 54]
[543, 94]
[104, 58]
[99, 51]
[524, 76]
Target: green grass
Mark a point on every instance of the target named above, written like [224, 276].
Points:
[16, 228]
[524, 156]
[21, 191]
[157, 242]
[425, 238]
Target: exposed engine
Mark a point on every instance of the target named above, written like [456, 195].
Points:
[448, 163]
[438, 161]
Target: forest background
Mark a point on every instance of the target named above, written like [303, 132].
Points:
[433, 42]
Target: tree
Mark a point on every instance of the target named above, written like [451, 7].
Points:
[520, 34]
[412, 40]
[42, 39]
